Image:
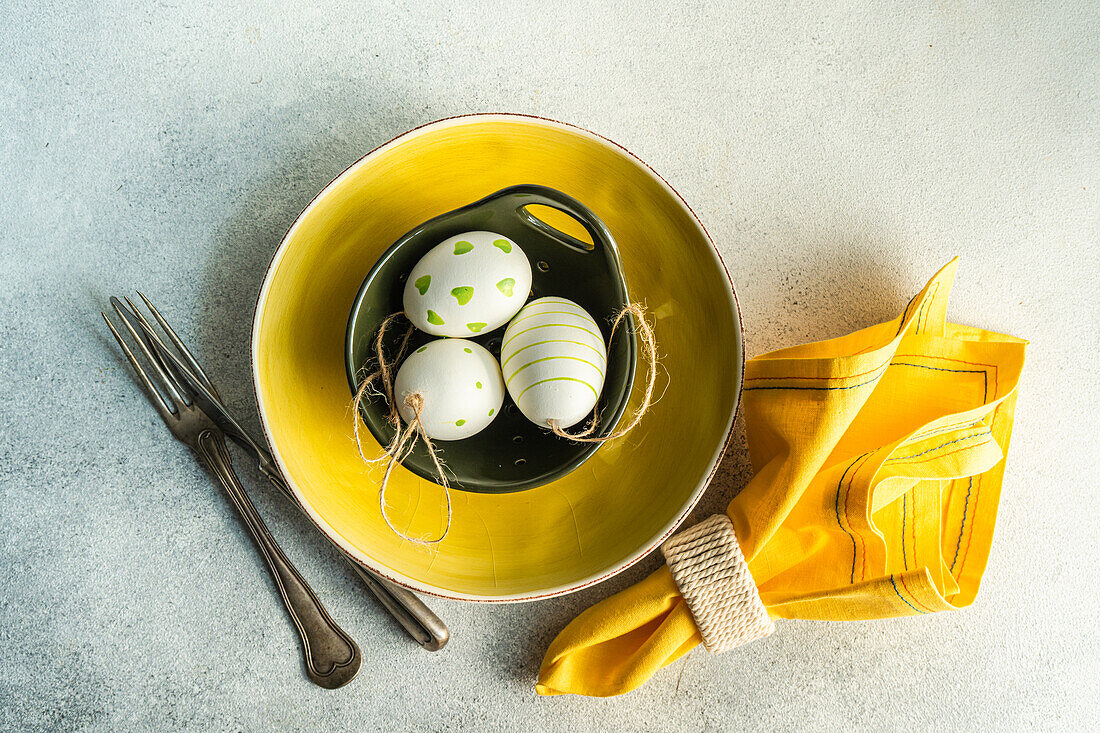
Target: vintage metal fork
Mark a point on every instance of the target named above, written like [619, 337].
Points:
[332, 658]
[407, 609]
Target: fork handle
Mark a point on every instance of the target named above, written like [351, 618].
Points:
[332, 658]
[414, 616]
[421, 623]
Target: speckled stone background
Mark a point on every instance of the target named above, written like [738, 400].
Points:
[839, 153]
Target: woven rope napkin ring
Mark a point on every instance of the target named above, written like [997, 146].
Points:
[713, 577]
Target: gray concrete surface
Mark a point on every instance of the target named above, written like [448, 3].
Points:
[838, 152]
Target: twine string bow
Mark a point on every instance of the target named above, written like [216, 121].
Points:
[405, 434]
[649, 350]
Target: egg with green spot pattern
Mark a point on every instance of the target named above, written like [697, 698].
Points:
[460, 382]
[471, 283]
[553, 358]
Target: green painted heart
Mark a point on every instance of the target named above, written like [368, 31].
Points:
[463, 294]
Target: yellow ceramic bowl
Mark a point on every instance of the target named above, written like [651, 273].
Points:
[565, 535]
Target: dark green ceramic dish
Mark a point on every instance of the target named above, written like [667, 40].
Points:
[512, 453]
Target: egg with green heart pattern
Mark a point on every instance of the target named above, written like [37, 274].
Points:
[468, 284]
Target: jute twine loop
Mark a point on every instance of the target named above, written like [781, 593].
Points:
[405, 434]
[401, 446]
[384, 374]
[649, 351]
[713, 577]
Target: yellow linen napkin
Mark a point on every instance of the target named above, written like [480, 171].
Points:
[878, 460]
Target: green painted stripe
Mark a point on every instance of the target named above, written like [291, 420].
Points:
[549, 300]
[549, 313]
[559, 379]
[548, 325]
[554, 341]
[555, 304]
[548, 358]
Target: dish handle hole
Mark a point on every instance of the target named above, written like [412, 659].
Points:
[560, 221]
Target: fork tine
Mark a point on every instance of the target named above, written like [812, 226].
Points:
[178, 374]
[167, 381]
[175, 364]
[148, 337]
[142, 332]
[188, 357]
[154, 396]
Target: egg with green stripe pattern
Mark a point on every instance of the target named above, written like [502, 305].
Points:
[468, 284]
[553, 359]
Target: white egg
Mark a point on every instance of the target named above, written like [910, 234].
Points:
[554, 360]
[471, 283]
[460, 382]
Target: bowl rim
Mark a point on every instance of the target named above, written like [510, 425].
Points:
[388, 573]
